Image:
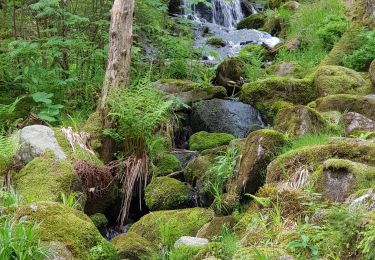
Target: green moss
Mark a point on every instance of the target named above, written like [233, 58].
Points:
[203, 140]
[45, 178]
[213, 229]
[229, 71]
[165, 193]
[275, 3]
[166, 163]
[254, 21]
[297, 70]
[216, 42]
[198, 167]
[263, 94]
[291, 5]
[62, 224]
[347, 103]
[300, 120]
[132, 246]
[331, 80]
[159, 226]
[363, 135]
[100, 221]
[94, 126]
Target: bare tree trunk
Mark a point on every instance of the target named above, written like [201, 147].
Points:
[119, 58]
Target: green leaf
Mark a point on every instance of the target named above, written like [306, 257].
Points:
[42, 97]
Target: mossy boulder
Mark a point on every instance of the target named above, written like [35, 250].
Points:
[341, 178]
[230, 74]
[166, 163]
[164, 193]
[203, 140]
[45, 178]
[132, 246]
[198, 167]
[100, 221]
[290, 69]
[189, 91]
[331, 80]
[372, 73]
[259, 150]
[216, 42]
[347, 103]
[293, 169]
[291, 6]
[183, 222]
[214, 227]
[300, 120]
[264, 94]
[254, 21]
[58, 223]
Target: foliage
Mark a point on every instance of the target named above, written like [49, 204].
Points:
[304, 245]
[20, 241]
[48, 111]
[9, 198]
[103, 251]
[229, 244]
[6, 112]
[361, 58]
[8, 149]
[70, 200]
[367, 243]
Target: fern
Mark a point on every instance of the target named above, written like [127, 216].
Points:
[8, 149]
[6, 112]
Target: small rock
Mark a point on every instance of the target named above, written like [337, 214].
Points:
[190, 241]
[355, 121]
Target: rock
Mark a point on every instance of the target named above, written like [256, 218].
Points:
[230, 74]
[203, 140]
[94, 126]
[334, 117]
[332, 80]
[357, 122]
[185, 156]
[166, 163]
[214, 227]
[291, 5]
[183, 222]
[225, 204]
[342, 177]
[285, 69]
[216, 42]
[65, 226]
[132, 246]
[35, 140]
[267, 95]
[372, 73]
[301, 120]
[100, 221]
[188, 91]
[164, 193]
[198, 167]
[364, 199]
[224, 116]
[347, 103]
[292, 170]
[45, 178]
[254, 21]
[190, 242]
[275, 3]
[259, 150]
[58, 251]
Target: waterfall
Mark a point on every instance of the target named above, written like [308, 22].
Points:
[223, 12]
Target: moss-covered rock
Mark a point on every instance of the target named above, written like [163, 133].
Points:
[58, 223]
[292, 169]
[216, 42]
[300, 120]
[331, 80]
[263, 94]
[229, 74]
[183, 222]
[372, 73]
[341, 178]
[203, 140]
[45, 178]
[291, 6]
[225, 204]
[260, 149]
[189, 91]
[290, 69]
[166, 163]
[347, 103]
[165, 193]
[275, 3]
[132, 246]
[214, 227]
[100, 220]
[254, 21]
[94, 126]
[198, 167]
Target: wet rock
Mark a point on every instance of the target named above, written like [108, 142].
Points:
[372, 73]
[132, 246]
[259, 150]
[188, 91]
[331, 80]
[300, 120]
[35, 140]
[190, 242]
[230, 74]
[224, 116]
[357, 122]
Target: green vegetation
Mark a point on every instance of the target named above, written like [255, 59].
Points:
[203, 140]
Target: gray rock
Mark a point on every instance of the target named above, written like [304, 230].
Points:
[190, 241]
[366, 201]
[355, 121]
[185, 156]
[224, 116]
[35, 140]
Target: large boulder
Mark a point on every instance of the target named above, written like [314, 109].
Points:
[66, 226]
[45, 178]
[259, 150]
[35, 140]
[332, 80]
[230, 74]
[347, 103]
[254, 21]
[183, 222]
[372, 73]
[165, 193]
[188, 91]
[224, 116]
[203, 140]
[269, 95]
[300, 120]
[357, 122]
[132, 246]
